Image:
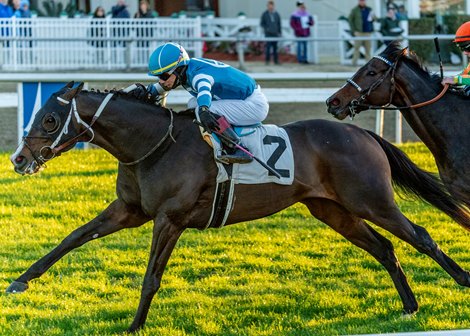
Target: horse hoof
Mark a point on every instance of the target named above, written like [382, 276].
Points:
[408, 314]
[17, 287]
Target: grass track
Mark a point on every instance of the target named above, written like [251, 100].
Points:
[287, 274]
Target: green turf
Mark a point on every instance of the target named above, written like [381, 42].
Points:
[283, 275]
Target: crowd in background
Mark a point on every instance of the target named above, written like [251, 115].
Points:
[20, 9]
[360, 20]
[17, 8]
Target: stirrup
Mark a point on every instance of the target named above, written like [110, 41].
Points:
[238, 156]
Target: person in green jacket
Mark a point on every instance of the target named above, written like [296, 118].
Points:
[361, 22]
[390, 26]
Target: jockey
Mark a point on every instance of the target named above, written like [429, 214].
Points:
[462, 40]
[222, 95]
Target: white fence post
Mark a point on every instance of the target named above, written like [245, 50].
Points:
[379, 122]
[398, 127]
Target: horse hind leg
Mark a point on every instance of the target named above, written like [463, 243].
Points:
[362, 235]
[392, 220]
[116, 217]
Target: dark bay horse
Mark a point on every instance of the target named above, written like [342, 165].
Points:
[397, 78]
[167, 174]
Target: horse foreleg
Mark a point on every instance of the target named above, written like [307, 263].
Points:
[116, 217]
[165, 236]
[362, 235]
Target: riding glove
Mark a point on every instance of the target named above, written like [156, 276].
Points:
[208, 121]
[148, 93]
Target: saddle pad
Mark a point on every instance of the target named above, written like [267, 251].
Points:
[270, 144]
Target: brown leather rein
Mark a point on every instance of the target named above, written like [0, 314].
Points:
[366, 92]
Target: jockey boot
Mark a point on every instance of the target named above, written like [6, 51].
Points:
[229, 138]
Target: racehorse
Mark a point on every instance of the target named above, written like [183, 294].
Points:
[167, 174]
[396, 77]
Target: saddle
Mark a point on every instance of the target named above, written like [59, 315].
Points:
[268, 143]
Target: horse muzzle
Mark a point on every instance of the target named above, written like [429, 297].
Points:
[23, 166]
[336, 109]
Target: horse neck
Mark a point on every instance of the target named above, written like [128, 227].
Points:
[127, 129]
[427, 121]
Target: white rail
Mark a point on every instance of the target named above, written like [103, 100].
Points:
[80, 43]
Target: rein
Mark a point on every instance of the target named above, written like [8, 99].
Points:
[354, 104]
[168, 134]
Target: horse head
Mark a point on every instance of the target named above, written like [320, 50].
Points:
[372, 84]
[54, 130]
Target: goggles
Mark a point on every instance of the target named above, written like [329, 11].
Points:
[464, 46]
[164, 76]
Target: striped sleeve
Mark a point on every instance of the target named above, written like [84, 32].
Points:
[202, 83]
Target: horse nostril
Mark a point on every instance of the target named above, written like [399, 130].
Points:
[334, 102]
[19, 160]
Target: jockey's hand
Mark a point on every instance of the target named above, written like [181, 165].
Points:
[447, 80]
[208, 121]
[152, 93]
[148, 93]
[140, 91]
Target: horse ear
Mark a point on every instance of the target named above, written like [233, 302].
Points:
[71, 93]
[70, 84]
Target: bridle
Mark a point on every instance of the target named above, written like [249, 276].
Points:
[392, 66]
[55, 148]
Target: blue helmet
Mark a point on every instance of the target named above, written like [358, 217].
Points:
[166, 58]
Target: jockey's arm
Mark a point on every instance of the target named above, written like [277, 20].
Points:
[461, 79]
[204, 96]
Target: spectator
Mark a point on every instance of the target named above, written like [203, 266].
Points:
[98, 29]
[144, 12]
[401, 14]
[5, 10]
[21, 9]
[119, 11]
[390, 26]
[301, 21]
[271, 24]
[392, 4]
[143, 33]
[361, 22]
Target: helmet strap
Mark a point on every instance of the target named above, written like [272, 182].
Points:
[180, 73]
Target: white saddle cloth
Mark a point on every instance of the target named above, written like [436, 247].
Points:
[270, 144]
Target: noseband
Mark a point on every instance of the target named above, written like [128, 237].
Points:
[354, 104]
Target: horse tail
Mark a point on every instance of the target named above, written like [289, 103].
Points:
[413, 181]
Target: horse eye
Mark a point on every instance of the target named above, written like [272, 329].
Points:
[50, 123]
[371, 73]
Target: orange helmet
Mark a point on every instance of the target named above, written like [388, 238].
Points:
[462, 36]
[463, 33]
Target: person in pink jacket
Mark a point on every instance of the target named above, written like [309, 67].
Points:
[301, 21]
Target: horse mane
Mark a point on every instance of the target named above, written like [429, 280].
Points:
[119, 93]
[395, 50]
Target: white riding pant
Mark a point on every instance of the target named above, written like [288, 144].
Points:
[254, 109]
